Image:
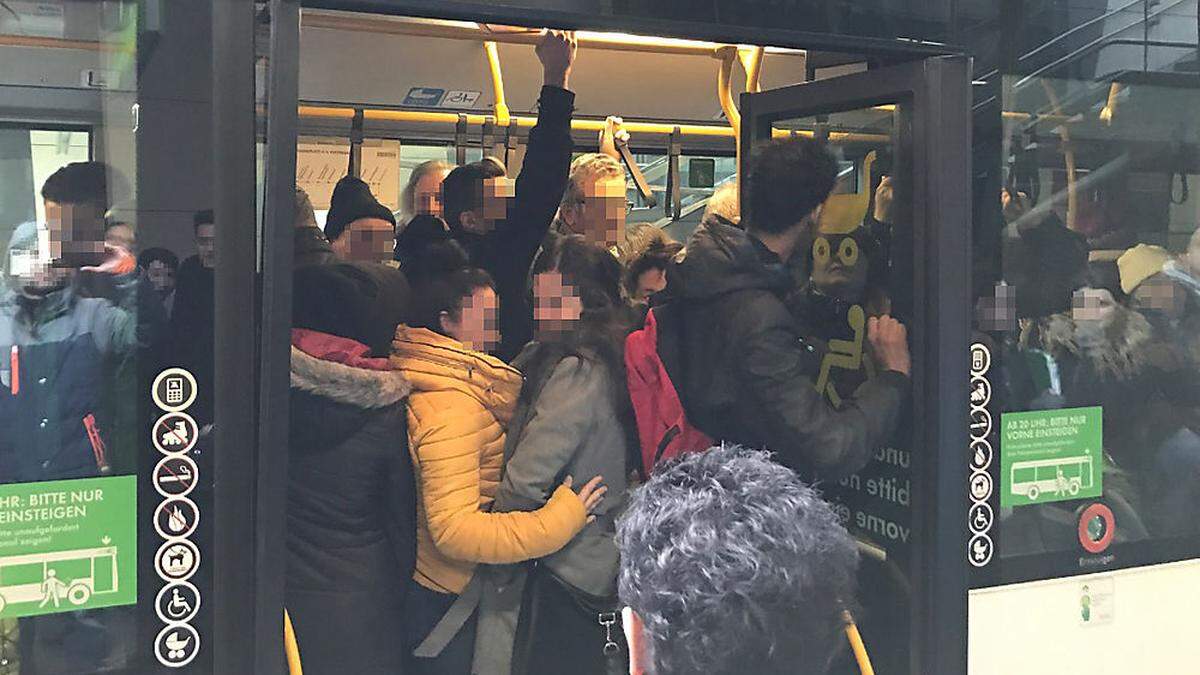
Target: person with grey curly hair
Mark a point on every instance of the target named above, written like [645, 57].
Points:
[730, 564]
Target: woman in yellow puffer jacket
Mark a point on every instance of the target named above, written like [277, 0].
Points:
[461, 402]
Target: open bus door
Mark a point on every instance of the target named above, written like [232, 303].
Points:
[907, 125]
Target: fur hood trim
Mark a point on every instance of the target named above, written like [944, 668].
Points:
[358, 387]
[1121, 353]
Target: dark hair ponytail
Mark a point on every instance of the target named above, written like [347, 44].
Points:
[441, 279]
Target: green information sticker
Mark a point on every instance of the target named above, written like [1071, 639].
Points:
[68, 545]
[1050, 455]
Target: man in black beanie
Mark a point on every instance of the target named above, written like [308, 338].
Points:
[359, 227]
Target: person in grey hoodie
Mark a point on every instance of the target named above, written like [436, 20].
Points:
[559, 614]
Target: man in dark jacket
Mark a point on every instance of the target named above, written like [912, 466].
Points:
[193, 319]
[502, 233]
[744, 371]
[351, 521]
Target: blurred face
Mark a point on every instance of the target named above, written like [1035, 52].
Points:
[428, 193]
[600, 215]
[161, 277]
[1093, 306]
[366, 240]
[76, 234]
[1193, 253]
[121, 235]
[1159, 295]
[838, 269]
[477, 326]
[556, 305]
[650, 282]
[206, 239]
[496, 194]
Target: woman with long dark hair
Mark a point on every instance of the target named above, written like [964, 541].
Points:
[461, 402]
[560, 614]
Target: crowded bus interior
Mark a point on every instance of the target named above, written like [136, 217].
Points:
[599, 336]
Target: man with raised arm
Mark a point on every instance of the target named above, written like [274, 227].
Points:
[502, 224]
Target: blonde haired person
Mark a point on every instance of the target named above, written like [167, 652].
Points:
[422, 194]
[593, 204]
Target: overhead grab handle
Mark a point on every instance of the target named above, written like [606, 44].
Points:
[460, 140]
[674, 196]
[356, 141]
[639, 179]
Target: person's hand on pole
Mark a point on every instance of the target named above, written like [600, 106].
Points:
[612, 134]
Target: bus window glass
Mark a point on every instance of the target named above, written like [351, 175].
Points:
[852, 269]
[107, 329]
[1088, 301]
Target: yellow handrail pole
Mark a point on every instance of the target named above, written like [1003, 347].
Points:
[291, 648]
[472, 31]
[857, 646]
[500, 107]
[1110, 106]
[450, 119]
[752, 60]
[728, 55]
[1064, 133]
[8, 40]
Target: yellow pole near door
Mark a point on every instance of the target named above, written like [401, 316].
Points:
[290, 647]
[752, 60]
[500, 108]
[728, 55]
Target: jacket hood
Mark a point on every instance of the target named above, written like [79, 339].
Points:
[720, 259]
[1119, 348]
[336, 368]
[434, 362]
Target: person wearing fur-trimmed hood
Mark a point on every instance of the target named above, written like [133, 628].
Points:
[351, 527]
[1109, 355]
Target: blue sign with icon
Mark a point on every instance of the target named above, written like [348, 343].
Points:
[424, 97]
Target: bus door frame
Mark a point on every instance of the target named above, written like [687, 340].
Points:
[933, 129]
[939, 90]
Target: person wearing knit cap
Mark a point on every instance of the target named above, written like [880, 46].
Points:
[1139, 264]
[1150, 290]
[359, 227]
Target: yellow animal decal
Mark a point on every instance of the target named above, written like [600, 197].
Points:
[843, 214]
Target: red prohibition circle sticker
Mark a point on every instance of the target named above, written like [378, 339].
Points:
[1097, 526]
